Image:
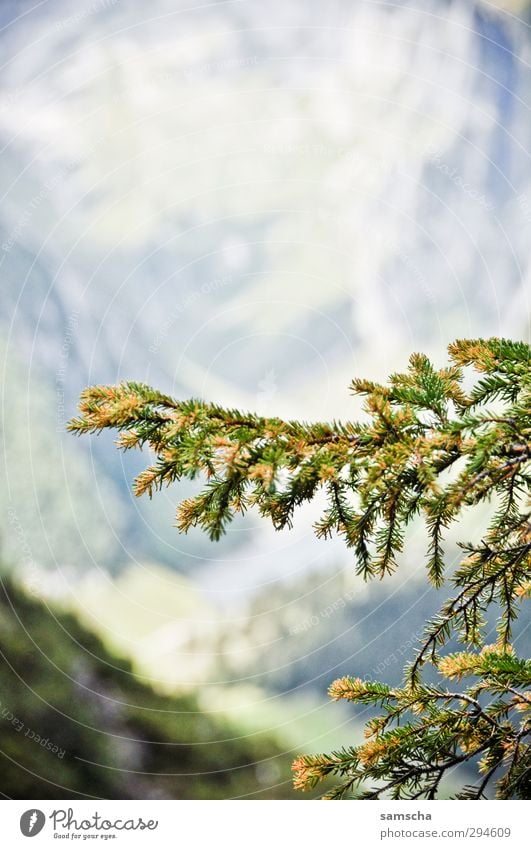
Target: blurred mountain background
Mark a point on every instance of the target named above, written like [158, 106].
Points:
[249, 203]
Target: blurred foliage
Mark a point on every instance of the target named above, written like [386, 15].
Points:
[76, 722]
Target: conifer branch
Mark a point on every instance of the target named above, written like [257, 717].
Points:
[427, 450]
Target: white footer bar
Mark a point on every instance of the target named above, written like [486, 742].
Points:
[257, 824]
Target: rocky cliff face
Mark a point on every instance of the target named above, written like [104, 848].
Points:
[249, 213]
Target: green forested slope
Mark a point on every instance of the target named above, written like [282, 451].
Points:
[75, 722]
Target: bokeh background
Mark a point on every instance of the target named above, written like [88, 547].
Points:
[249, 203]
